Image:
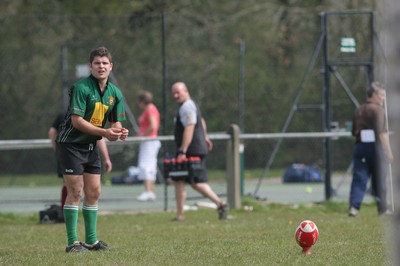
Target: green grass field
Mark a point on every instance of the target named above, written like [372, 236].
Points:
[264, 236]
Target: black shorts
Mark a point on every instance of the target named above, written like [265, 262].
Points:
[201, 176]
[76, 159]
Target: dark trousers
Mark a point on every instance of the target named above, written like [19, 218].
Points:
[369, 161]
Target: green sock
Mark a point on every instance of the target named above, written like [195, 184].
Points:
[90, 217]
[71, 221]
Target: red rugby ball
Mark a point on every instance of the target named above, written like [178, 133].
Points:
[306, 235]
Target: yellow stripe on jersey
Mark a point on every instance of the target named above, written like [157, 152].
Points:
[98, 114]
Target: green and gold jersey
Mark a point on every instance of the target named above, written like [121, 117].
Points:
[87, 101]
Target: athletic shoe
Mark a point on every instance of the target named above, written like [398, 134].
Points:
[353, 212]
[223, 211]
[146, 196]
[98, 245]
[76, 247]
[386, 213]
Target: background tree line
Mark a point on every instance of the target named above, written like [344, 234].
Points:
[202, 49]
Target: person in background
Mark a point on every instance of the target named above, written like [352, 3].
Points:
[372, 151]
[52, 133]
[192, 141]
[149, 123]
[94, 101]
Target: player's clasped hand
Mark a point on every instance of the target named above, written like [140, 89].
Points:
[113, 134]
[124, 133]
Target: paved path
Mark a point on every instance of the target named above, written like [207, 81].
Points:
[122, 198]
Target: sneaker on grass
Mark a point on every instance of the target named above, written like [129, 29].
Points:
[75, 247]
[146, 196]
[353, 212]
[98, 245]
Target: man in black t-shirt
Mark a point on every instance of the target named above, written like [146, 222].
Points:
[52, 133]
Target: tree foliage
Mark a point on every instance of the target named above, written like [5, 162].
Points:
[201, 49]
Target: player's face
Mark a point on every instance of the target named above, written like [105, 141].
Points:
[100, 67]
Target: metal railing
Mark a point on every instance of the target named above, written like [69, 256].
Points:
[24, 144]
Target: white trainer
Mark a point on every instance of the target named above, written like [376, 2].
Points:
[353, 212]
[146, 196]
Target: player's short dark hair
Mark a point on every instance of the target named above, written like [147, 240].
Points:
[145, 97]
[374, 88]
[100, 51]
